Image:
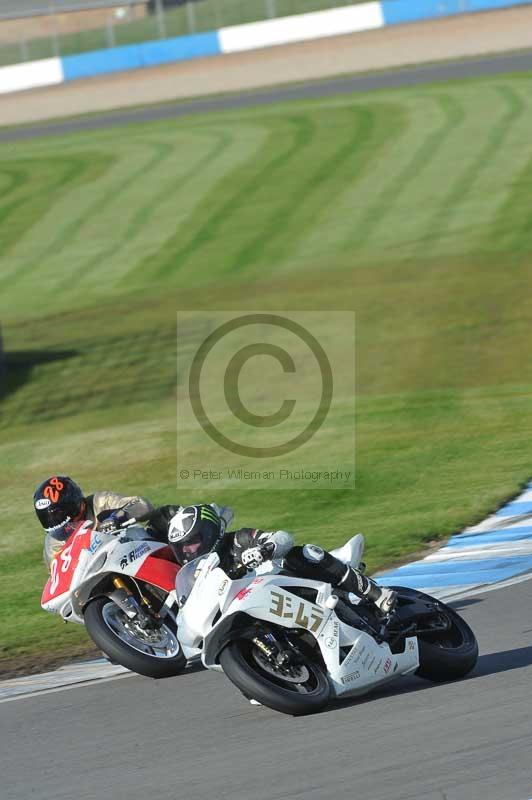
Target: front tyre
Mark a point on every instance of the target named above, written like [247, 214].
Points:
[448, 655]
[302, 690]
[154, 652]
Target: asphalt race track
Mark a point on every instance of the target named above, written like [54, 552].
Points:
[411, 76]
[195, 737]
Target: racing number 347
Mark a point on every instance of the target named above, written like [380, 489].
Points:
[281, 606]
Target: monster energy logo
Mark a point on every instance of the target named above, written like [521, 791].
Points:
[208, 513]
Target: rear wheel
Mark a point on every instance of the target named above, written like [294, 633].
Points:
[299, 689]
[447, 655]
[154, 651]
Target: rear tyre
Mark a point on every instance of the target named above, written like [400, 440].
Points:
[305, 691]
[155, 653]
[446, 656]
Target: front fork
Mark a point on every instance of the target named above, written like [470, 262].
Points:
[125, 599]
[282, 657]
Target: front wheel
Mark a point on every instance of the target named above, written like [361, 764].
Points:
[301, 689]
[447, 655]
[154, 651]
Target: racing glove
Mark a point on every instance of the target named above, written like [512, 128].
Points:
[253, 557]
[114, 521]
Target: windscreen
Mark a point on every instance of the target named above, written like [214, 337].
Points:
[186, 578]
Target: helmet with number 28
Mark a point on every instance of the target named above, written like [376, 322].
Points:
[58, 501]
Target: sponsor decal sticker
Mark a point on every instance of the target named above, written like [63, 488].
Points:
[387, 665]
[243, 593]
[353, 676]
[95, 543]
[139, 551]
[43, 503]
[330, 641]
[223, 586]
[355, 655]
[208, 513]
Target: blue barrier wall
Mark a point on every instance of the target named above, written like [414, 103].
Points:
[165, 51]
[100, 61]
[134, 56]
[397, 11]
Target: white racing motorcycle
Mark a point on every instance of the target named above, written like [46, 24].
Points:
[292, 643]
[121, 585]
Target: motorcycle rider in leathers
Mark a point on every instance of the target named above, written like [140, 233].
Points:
[193, 531]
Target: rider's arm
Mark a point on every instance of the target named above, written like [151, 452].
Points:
[104, 502]
[252, 537]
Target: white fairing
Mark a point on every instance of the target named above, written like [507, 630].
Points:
[268, 596]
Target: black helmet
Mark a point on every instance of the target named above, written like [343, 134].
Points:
[58, 501]
[193, 532]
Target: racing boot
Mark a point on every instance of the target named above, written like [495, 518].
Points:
[354, 581]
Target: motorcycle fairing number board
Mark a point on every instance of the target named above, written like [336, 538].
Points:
[64, 564]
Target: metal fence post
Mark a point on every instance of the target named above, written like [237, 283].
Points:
[191, 17]
[52, 12]
[24, 54]
[161, 21]
[219, 21]
[110, 31]
[271, 9]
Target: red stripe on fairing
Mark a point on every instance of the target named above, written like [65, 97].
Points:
[158, 572]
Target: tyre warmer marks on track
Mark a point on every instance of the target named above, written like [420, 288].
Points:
[493, 554]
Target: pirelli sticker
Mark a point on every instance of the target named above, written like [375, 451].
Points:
[304, 615]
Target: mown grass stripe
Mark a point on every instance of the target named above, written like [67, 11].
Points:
[464, 185]
[48, 181]
[511, 229]
[146, 214]
[278, 150]
[16, 178]
[390, 196]
[160, 152]
[347, 151]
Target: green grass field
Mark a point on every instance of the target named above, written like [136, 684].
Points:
[411, 207]
[194, 17]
